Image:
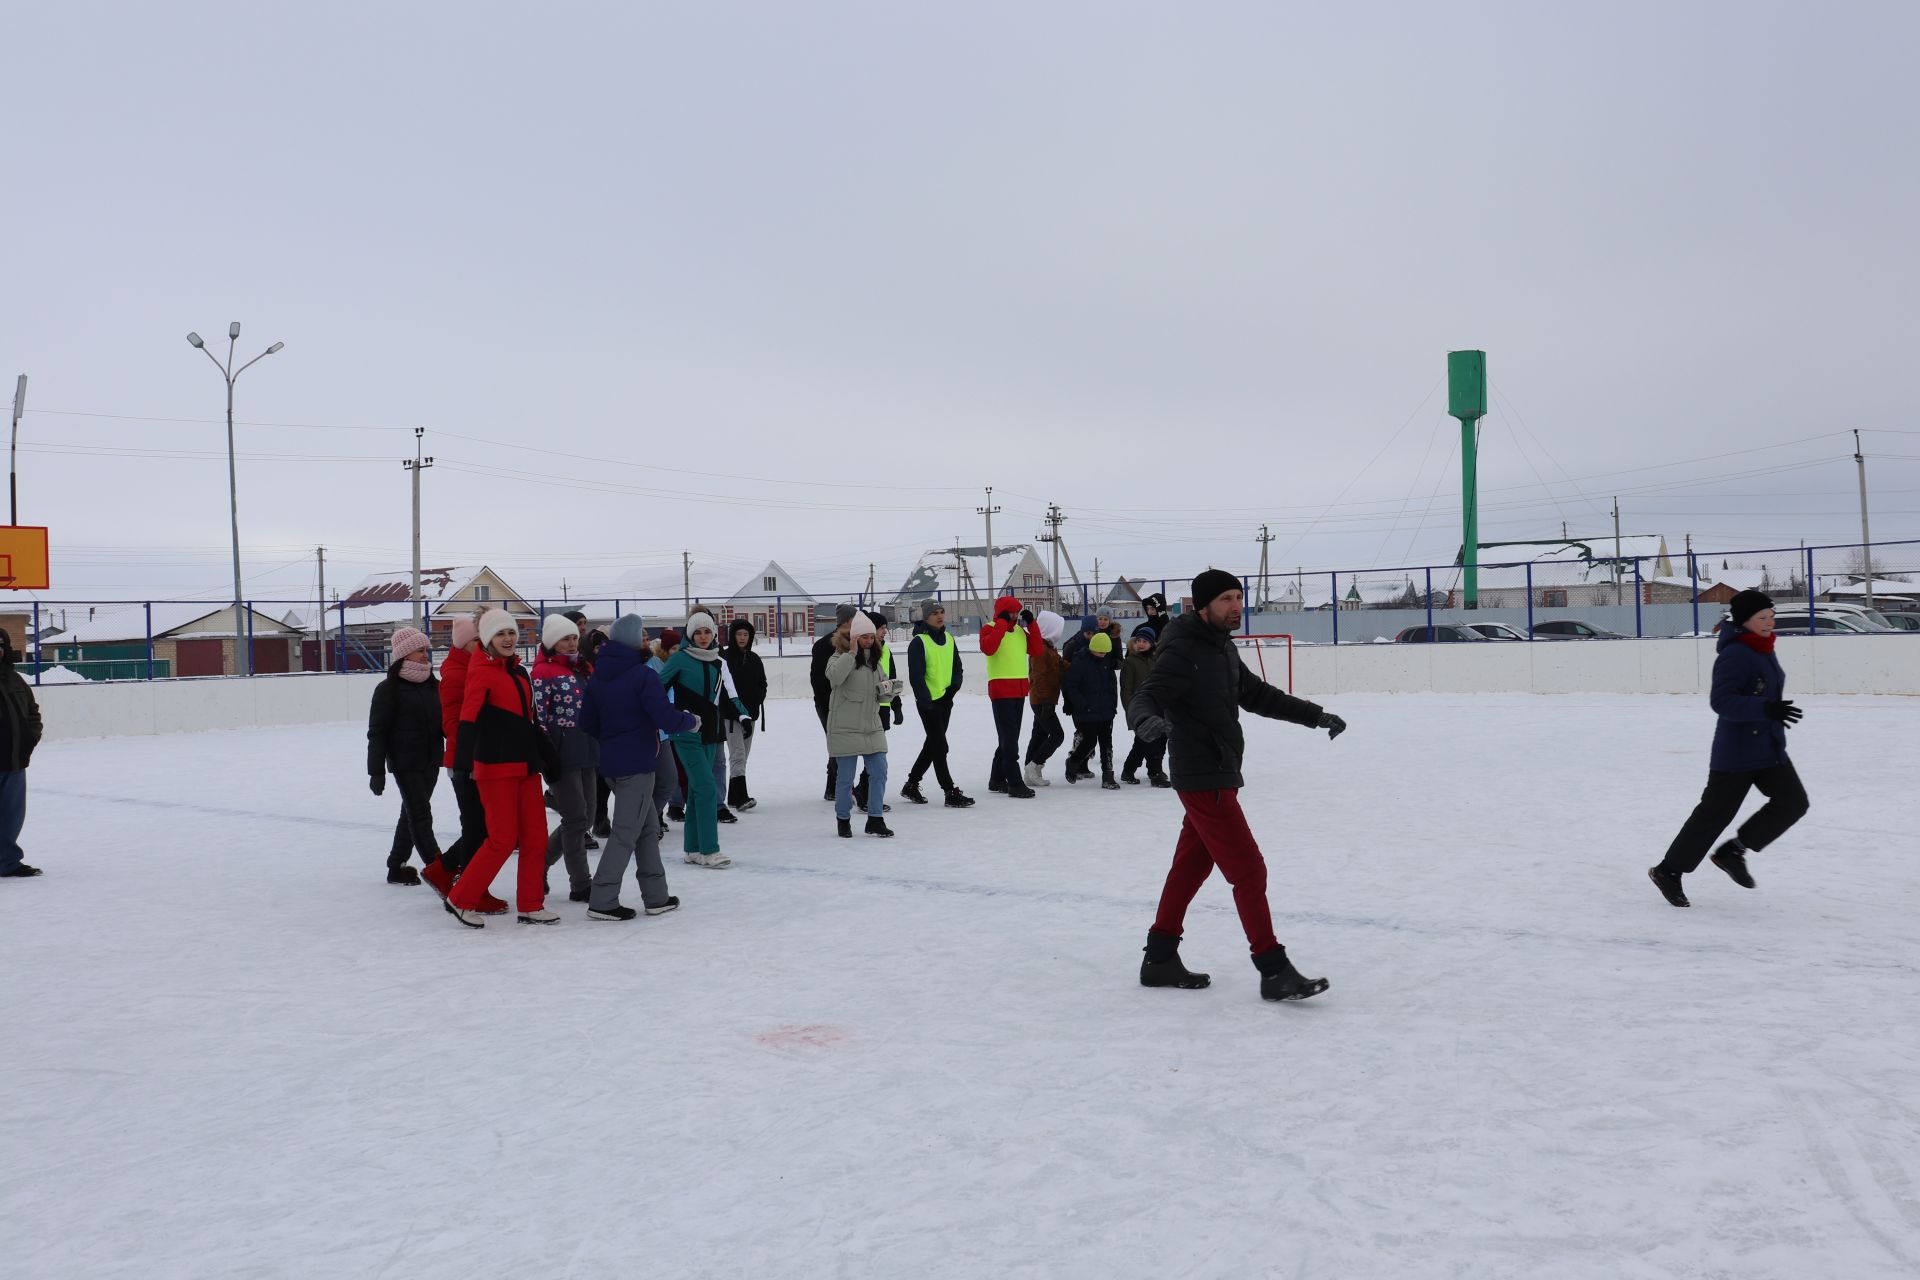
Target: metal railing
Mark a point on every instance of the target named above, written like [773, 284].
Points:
[1624, 597]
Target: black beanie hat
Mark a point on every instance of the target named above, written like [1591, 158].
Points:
[1155, 603]
[1747, 603]
[1212, 583]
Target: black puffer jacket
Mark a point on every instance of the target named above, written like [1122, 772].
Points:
[403, 726]
[744, 665]
[20, 714]
[1199, 686]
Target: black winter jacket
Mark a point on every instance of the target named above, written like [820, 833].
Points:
[817, 673]
[1199, 686]
[1088, 686]
[403, 726]
[748, 672]
[21, 732]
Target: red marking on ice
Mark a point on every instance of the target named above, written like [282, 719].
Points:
[808, 1037]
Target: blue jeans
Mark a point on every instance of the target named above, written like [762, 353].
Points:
[876, 784]
[13, 816]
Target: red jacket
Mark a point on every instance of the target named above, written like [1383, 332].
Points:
[996, 632]
[453, 687]
[498, 738]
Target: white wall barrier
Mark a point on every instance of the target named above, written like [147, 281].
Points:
[1815, 664]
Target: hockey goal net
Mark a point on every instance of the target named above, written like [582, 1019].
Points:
[1269, 654]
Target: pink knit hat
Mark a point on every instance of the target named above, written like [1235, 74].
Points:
[406, 640]
[465, 632]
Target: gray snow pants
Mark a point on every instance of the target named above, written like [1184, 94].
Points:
[636, 835]
[573, 795]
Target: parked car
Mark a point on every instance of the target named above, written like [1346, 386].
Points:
[1496, 631]
[1443, 633]
[1791, 622]
[1904, 621]
[1572, 629]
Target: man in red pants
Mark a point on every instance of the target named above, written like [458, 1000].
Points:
[1193, 698]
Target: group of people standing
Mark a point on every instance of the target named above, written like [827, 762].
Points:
[622, 730]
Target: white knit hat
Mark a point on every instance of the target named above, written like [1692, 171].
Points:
[862, 626]
[493, 622]
[556, 628]
[1051, 625]
[699, 620]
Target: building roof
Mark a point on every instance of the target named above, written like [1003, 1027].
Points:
[171, 619]
[936, 571]
[790, 591]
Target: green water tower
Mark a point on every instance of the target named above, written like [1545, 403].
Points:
[1467, 401]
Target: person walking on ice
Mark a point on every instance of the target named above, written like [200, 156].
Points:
[1749, 750]
[1193, 698]
[695, 678]
[862, 697]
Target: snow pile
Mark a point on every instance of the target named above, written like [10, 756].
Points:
[60, 675]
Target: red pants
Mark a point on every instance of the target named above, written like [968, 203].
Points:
[516, 815]
[1215, 834]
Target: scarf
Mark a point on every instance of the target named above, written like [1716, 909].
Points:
[417, 672]
[1759, 644]
[705, 655]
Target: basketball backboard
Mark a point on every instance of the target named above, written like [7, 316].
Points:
[23, 557]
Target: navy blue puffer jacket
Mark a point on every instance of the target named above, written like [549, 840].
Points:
[1744, 681]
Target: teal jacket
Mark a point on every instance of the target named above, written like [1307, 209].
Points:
[695, 686]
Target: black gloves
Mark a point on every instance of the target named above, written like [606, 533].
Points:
[1026, 617]
[899, 714]
[1152, 728]
[1332, 723]
[377, 783]
[1784, 711]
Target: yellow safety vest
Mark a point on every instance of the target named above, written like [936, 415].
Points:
[938, 656]
[1009, 661]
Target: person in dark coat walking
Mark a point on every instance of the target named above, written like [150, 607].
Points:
[1157, 617]
[1193, 698]
[19, 735]
[1133, 674]
[404, 737]
[750, 686]
[935, 674]
[1749, 751]
[1088, 686]
[625, 711]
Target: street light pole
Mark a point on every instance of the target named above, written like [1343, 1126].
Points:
[13, 451]
[230, 375]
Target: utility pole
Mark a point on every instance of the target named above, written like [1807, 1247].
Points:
[415, 465]
[1263, 538]
[1054, 520]
[12, 453]
[989, 511]
[1616, 552]
[322, 553]
[686, 581]
[563, 592]
[959, 568]
[1866, 538]
[870, 577]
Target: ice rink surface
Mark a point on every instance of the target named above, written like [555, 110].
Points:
[231, 1050]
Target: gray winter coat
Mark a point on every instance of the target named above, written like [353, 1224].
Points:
[853, 708]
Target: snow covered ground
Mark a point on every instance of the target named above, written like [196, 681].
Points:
[231, 1050]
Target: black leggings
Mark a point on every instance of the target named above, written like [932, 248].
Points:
[1007, 714]
[1151, 754]
[1088, 735]
[1047, 735]
[1720, 804]
[414, 831]
[473, 822]
[934, 718]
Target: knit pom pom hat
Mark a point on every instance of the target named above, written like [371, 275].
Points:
[1051, 625]
[406, 640]
[862, 626]
[465, 632]
[1101, 645]
[492, 623]
[630, 630]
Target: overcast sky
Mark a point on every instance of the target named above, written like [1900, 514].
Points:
[795, 281]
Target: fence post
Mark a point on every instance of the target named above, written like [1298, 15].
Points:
[1529, 600]
[249, 605]
[1429, 604]
[339, 644]
[780, 626]
[39, 658]
[149, 607]
[1246, 614]
[1693, 571]
[1335, 589]
[1637, 593]
[1812, 620]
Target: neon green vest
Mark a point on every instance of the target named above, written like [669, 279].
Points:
[939, 659]
[886, 660]
[1009, 662]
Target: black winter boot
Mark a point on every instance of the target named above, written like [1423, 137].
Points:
[1668, 883]
[912, 792]
[725, 815]
[1279, 980]
[1128, 777]
[1159, 779]
[1162, 967]
[1732, 859]
[844, 828]
[878, 827]
[958, 799]
[736, 793]
[860, 794]
[677, 812]
[402, 875]
[1108, 784]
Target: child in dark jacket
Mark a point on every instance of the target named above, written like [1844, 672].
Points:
[626, 711]
[1089, 689]
[404, 737]
[1133, 674]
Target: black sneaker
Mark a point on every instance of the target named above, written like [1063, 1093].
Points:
[21, 872]
[611, 913]
[1130, 779]
[844, 828]
[671, 904]
[725, 815]
[579, 895]
[1108, 784]
[912, 792]
[997, 787]
[1279, 980]
[677, 812]
[602, 828]
[1732, 859]
[590, 842]
[1020, 791]
[746, 804]
[402, 875]
[1668, 883]
[958, 799]
[1160, 780]
[878, 827]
